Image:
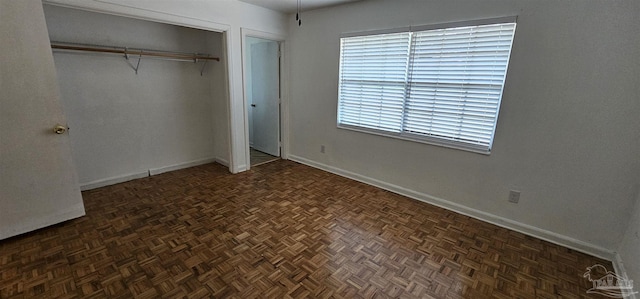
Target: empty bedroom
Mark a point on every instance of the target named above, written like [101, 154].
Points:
[319, 149]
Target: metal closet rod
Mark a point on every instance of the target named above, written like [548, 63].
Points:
[126, 51]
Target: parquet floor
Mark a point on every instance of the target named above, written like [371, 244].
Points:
[281, 230]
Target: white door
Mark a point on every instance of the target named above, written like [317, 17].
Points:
[265, 104]
[38, 182]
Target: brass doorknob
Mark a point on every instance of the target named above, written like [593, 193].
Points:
[59, 129]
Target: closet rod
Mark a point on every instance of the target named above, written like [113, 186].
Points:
[133, 52]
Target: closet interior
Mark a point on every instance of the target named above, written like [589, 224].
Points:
[140, 97]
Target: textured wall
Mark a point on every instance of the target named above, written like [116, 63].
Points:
[568, 131]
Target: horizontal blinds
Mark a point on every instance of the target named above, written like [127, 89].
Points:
[373, 72]
[456, 81]
[443, 84]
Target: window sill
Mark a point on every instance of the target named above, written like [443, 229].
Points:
[419, 139]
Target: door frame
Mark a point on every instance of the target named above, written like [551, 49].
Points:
[284, 103]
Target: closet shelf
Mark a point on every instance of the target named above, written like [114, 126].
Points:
[133, 52]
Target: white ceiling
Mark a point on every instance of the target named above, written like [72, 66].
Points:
[290, 6]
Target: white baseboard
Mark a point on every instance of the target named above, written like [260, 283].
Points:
[464, 210]
[154, 171]
[240, 168]
[113, 180]
[41, 222]
[222, 161]
[618, 267]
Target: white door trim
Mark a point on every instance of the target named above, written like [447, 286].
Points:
[119, 9]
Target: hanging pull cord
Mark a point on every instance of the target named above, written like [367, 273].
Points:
[298, 15]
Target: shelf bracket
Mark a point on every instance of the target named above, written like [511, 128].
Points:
[203, 66]
[126, 56]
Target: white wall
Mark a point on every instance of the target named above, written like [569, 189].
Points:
[222, 15]
[629, 249]
[567, 135]
[125, 124]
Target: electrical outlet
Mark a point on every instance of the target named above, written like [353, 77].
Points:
[514, 196]
[322, 149]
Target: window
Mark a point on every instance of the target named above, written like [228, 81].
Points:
[439, 84]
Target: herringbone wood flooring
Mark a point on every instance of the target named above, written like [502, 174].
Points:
[280, 230]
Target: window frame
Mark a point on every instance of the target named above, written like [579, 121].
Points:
[404, 135]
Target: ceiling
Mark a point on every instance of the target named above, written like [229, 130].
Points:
[290, 6]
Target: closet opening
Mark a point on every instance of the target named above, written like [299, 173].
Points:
[140, 97]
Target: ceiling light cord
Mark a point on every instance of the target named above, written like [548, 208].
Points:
[298, 15]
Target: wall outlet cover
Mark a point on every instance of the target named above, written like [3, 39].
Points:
[514, 196]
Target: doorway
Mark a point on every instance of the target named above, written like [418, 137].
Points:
[262, 88]
[188, 100]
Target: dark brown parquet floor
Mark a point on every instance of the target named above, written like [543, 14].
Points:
[281, 230]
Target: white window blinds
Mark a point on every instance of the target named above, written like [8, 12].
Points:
[373, 72]
[442, 86]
